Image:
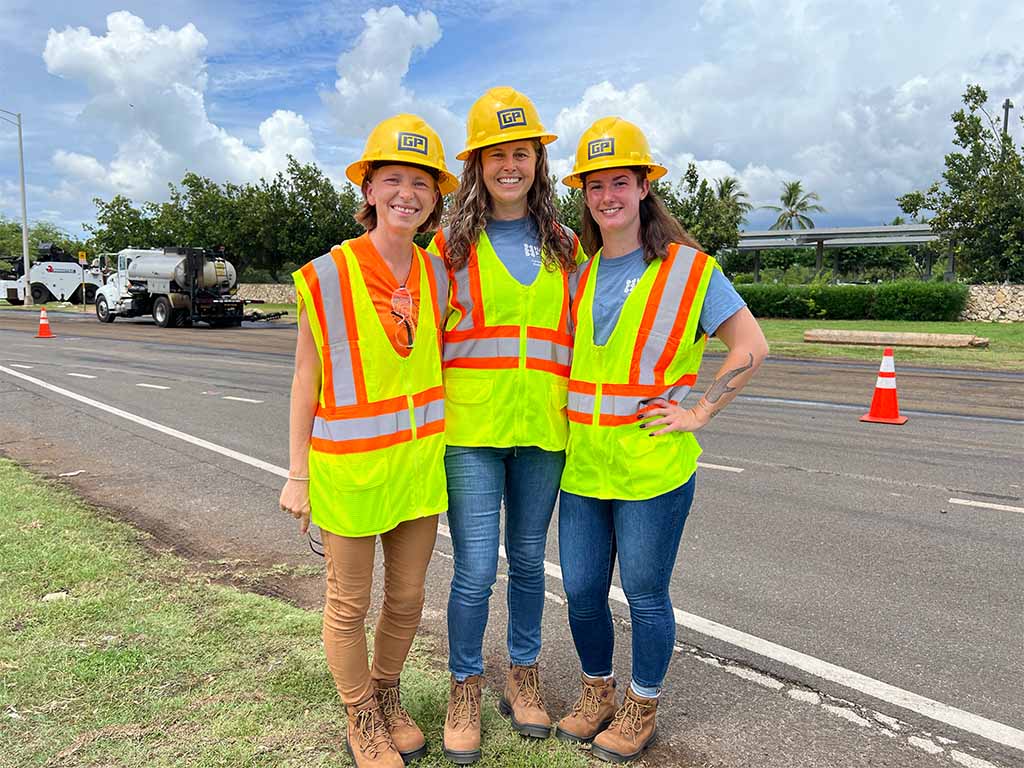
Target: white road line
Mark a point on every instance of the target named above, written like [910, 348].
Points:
[241, 399]
[151, 386]
[986, 505]
[721, 467]
[934, 710]
[82, 375]
[24, 367]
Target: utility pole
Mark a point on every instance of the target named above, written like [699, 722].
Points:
[1007, 106]
[24, 214]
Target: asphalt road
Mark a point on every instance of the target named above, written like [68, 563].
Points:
[810, 531]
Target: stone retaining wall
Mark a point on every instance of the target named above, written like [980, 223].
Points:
[995, 303]
[275, 293]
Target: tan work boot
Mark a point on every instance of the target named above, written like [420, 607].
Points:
[631, 732]
[522, 702]
[368, 742]
[462, 724]
[592, 712]
[406, 735]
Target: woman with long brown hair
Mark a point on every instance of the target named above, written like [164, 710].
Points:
[642, 311]
[507, 349]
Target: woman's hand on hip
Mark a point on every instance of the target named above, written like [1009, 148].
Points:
[295, 501]
[660, 417]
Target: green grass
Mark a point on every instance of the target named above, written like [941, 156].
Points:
[1005, 350]
[146, 663]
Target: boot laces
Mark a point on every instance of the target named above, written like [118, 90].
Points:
[529, 688]
[629, 718]
[465, 705]
[391, 706]
[371, 732]
[588, 702]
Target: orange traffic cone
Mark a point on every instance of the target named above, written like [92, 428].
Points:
[44, 326]
[885, 409]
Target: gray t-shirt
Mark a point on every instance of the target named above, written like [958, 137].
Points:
[617, 278]
[517, 243]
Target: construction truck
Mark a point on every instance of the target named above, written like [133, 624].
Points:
[177, 286]
[54, 276]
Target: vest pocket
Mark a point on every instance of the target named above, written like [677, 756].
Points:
[468, 391]
[360, 472]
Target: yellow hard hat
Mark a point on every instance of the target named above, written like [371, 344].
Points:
[612, 142]
[404, 139]
[502, 114]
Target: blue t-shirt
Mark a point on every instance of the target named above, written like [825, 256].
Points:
[517, 243]
[616, 279]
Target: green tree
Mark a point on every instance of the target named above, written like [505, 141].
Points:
[714, 221]
[979, 204]
[729, 191]
[569, 206]
[796, 205]
[119, 224]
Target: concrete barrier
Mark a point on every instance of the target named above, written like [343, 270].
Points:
[893, 339]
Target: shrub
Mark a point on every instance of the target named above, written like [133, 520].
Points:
[904, 300]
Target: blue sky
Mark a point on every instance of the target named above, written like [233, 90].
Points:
[852, 98]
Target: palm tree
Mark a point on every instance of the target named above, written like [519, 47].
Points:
[796, 204]
[728, 190]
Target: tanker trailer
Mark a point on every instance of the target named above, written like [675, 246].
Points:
[178, 286]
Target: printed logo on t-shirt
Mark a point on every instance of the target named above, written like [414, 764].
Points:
[630, 285]
[532, 253]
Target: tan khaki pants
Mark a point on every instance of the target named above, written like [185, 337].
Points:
[407, 551]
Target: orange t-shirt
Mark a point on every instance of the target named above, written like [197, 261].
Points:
[398, 307]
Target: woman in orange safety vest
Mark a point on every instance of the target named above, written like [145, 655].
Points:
[367, 426]
[507, 349]
[643, 308]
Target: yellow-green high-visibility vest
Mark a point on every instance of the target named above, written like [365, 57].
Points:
[652, 352]
[376, 455]
[507, 351]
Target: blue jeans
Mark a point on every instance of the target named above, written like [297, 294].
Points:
[645, 535]
[478, 479]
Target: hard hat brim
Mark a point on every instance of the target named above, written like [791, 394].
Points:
[543, 136]
[356, 172]
[575, 179]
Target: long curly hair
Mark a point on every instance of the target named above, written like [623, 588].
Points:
[467, 217]
[658, 227]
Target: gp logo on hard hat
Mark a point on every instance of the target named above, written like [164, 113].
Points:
[511, 118]
[412, 142]
[600, 148]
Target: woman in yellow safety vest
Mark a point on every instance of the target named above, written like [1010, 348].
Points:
[644, 305]
[507, 349]
[367, 426]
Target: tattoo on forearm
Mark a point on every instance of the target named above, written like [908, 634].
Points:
[721, 387]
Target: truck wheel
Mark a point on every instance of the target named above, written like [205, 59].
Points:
[179, 318]
[41, 294]
[162, 312]
[103, 313]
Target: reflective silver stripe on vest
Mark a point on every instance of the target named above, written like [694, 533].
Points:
[441, 280]
[432, 411]
[627, 405]
[337, 332]
[482, 348]
[337, 430]
[580, 402]
[621, 405]
[464, 298]
[543, 349]
[668, 309]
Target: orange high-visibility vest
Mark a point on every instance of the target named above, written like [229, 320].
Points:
[653, 352]
[376, 454]
[507, 351]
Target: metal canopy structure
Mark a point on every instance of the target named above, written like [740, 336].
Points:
[837, 237]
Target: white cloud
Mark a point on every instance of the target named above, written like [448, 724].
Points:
[370, 84]
[147, 93]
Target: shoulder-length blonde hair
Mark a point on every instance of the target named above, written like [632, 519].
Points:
[469, 212]
[658, 227]
[367, 214]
